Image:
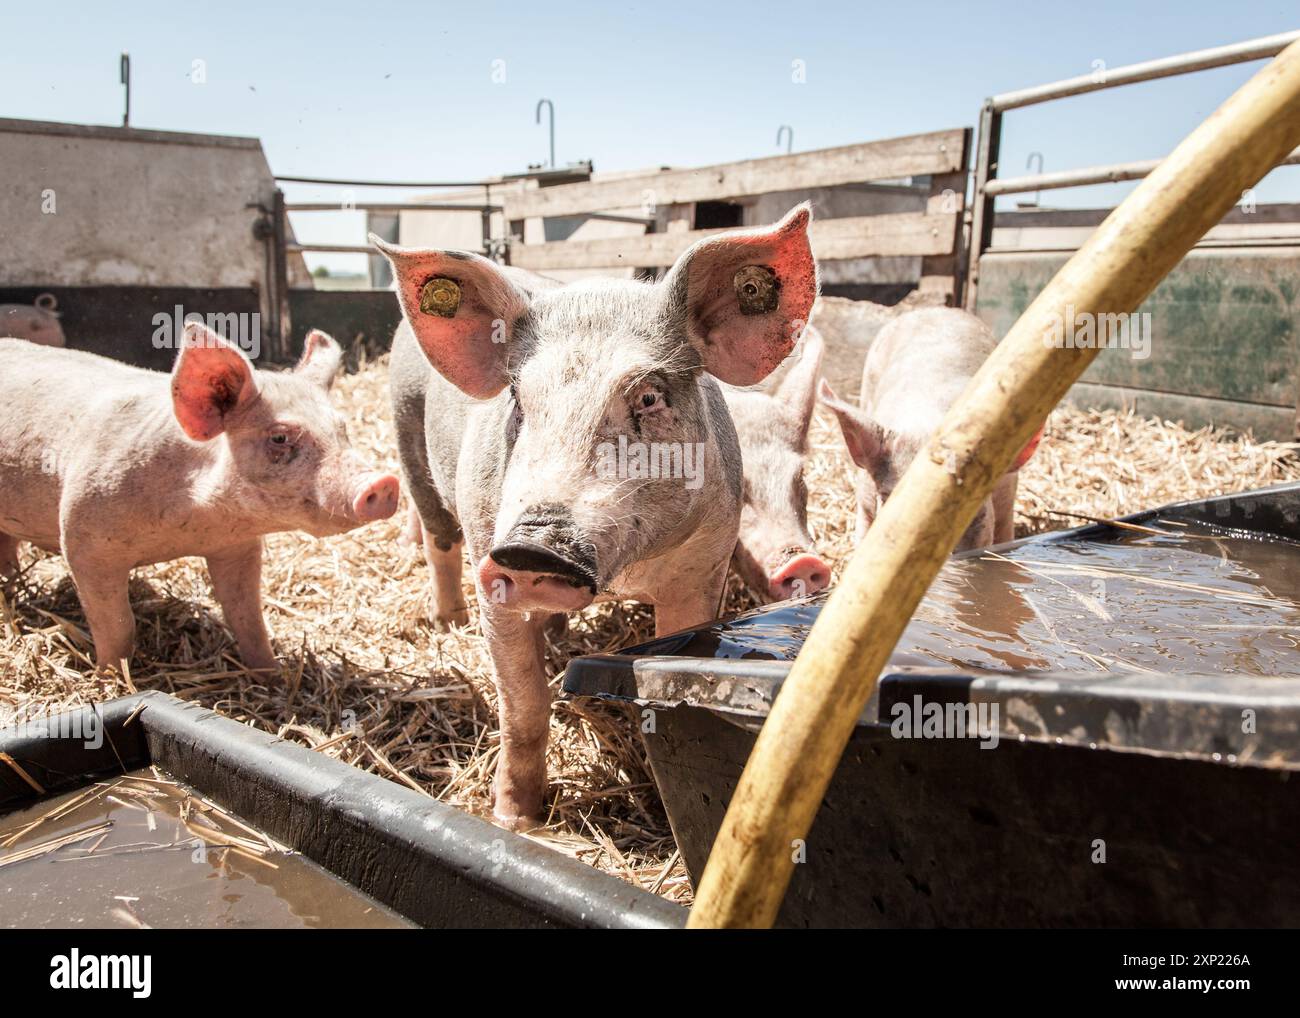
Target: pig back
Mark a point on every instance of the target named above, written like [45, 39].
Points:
[61, 409]
[430, 415]
[919, 365]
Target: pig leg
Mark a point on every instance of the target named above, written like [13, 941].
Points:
[524, 708]
[414, 531]
[8, 556]
[445, 563]
[1004, 509]
[237, 584]
[102, 588]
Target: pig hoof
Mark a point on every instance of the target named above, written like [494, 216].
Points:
[444, 621]
[517, 823]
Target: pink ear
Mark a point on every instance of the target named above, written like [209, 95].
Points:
[1028, 450]
[461, 307]
[747, 295]
[798, 389]
[211, 378]
[863, 436]
[320, 360]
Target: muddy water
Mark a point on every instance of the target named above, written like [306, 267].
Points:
[157, 855]
[1194, 601]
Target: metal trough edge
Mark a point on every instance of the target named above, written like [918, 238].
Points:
[1186, 716]
[438, 866]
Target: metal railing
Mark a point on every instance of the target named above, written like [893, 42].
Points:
[274, 229]
[988, 187]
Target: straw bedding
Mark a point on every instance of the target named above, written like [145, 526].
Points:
[367, 680]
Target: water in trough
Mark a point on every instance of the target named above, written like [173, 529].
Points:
[142, 850]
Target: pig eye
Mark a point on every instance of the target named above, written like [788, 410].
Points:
[648, 401]
[280, 446]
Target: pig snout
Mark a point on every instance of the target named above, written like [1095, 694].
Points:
[540, 565]
[802, 574]
[375, 498]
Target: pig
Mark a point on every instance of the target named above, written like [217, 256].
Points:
[117, 467]
[914, 371]
[774, 552]
[39, 324]
[574, 439]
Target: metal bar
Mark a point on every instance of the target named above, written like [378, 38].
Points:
[551, 107]
[986, 169]
[124, 72]
[279, 303]
[381, 206]
[332, 248]
[1111, 173]
[381, 183]
[1149, 70]
[613, 217]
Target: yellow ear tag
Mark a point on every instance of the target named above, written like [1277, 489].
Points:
[757, 289]
[440, 296]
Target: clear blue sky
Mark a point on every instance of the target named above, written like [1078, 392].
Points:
[406, 90]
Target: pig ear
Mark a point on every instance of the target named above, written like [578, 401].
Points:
[461, 307]
[798, 389]
[211, 379]
[321, 358]
[1028, 450]
[746, 295]
[864, 437]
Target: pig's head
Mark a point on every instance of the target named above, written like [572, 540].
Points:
[607, 435]
[774, 553]
[285, 452]
[884, 456]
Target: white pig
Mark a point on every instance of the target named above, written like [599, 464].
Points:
[574, 437]
[117, 467]
[774, 552]
[914, 371]
[38, 323]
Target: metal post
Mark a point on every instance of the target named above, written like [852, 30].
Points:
[124, 69]
[986, 168]
[487, 221]
[551, 107]
[278, 299]
[788, 131]
[1028, 164]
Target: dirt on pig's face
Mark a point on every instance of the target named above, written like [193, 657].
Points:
[599, 447]
[607, 441]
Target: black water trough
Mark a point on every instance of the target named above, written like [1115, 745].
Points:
[1144, 690]
[431, 864]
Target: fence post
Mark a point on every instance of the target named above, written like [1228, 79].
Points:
[279, 297]
[986, 168]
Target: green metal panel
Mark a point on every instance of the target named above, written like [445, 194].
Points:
[1223, 329]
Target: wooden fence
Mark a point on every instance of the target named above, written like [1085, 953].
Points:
[934, 233]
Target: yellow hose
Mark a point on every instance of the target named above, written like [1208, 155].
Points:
[810, 723]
